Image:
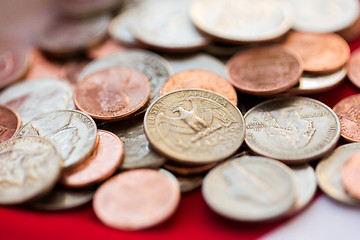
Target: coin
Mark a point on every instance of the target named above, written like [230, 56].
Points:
[322, 16]
[65, 36]
[186, 170]
[353, 68]
[264, 70]
[138, 153]
[200, 79]
[29, 167]
[151, 198]
[112, 94]
[194, 126]
[241, 21]
[352, 32]
[9, 123]
[347, 111]
[107, 48]
[224, 51]
[80, 8]
[350, 175]
[103, 162]
[328, 173]
[189, 183]
[292, 129]
[319, 52]
[166, 26]
[33, 98]
[71, 69]
[250, 189]
[71, 131]
[42, 67]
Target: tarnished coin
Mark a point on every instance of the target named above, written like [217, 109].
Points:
[104, 161]
[186, 170]
[353, 67]
[319, 52]
[9, 123]
[71, 69]
[241, 21]
[166, 26]
[250, 189]
[292, 130]
[112, 94]
[200, 79]
[65, 36]
[194, 126]
[350, 175]
[119, 27]
[42, 67]
[33, 98]
[264, 70]
[322, 16]
[328, 173]
[81, 8]
[348, 112]
[151, 198]
[72, 132]
[29, 167]
[138, 153]
[107, 48]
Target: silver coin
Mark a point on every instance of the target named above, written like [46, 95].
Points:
[36, 97]
[250, 189]
[119, 28]
[328, 173]
[73, 133]
[138, 153]
[322, 16]
[293, 129]
[29, 167]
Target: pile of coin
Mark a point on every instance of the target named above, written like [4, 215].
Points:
[90, 118]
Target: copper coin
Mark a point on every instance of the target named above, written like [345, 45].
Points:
[81, 8]
[319, 52]
[350, 175]
[42, 67]
[9, 123]
[70, 70]
[105, 49]
[352, 32]
[185, 170]
[104, 161]
[200, 79]
[348, 112]
[353, 67]
[264, 70]
[112, 94]
[136, 199]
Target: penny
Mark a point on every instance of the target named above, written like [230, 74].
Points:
[29, 167]
[107, 48]
[138, 153]
[71, 69]
[250, 189]
[151, 198]
[319, 52]
[9, 123]
[352, 32]
[328, 173]
[292, 129]
[65, 36]
[80, 8]
[241, 21]
[42, 67]
[350, 175]
[347, 111]
[71, 131]
[353, 68]
[194, 126]
[322, 16]
[33, 98]
[185, 170]
[112, 94]
[166, 26]
[264, 70]
[103, 162]
[200, 79]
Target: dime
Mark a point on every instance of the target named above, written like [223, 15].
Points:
[328, 173]
[322, 16]
[33, 98]
[292, 129]
[104, 161]
[9, 123]
[319, 52]
[166, 26]
[350, 175]
[194, 126]
[70, 70]
[71, 131]
[353, 68]
[241, 21]
[348, 112]
[42, 67]
[29, 167]
[264, 70]
[138, 153]
[107, 48]
[151, 198]
[250, 189]
[200, 79]
[112, 94]
[81, 8]
[186, 170]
